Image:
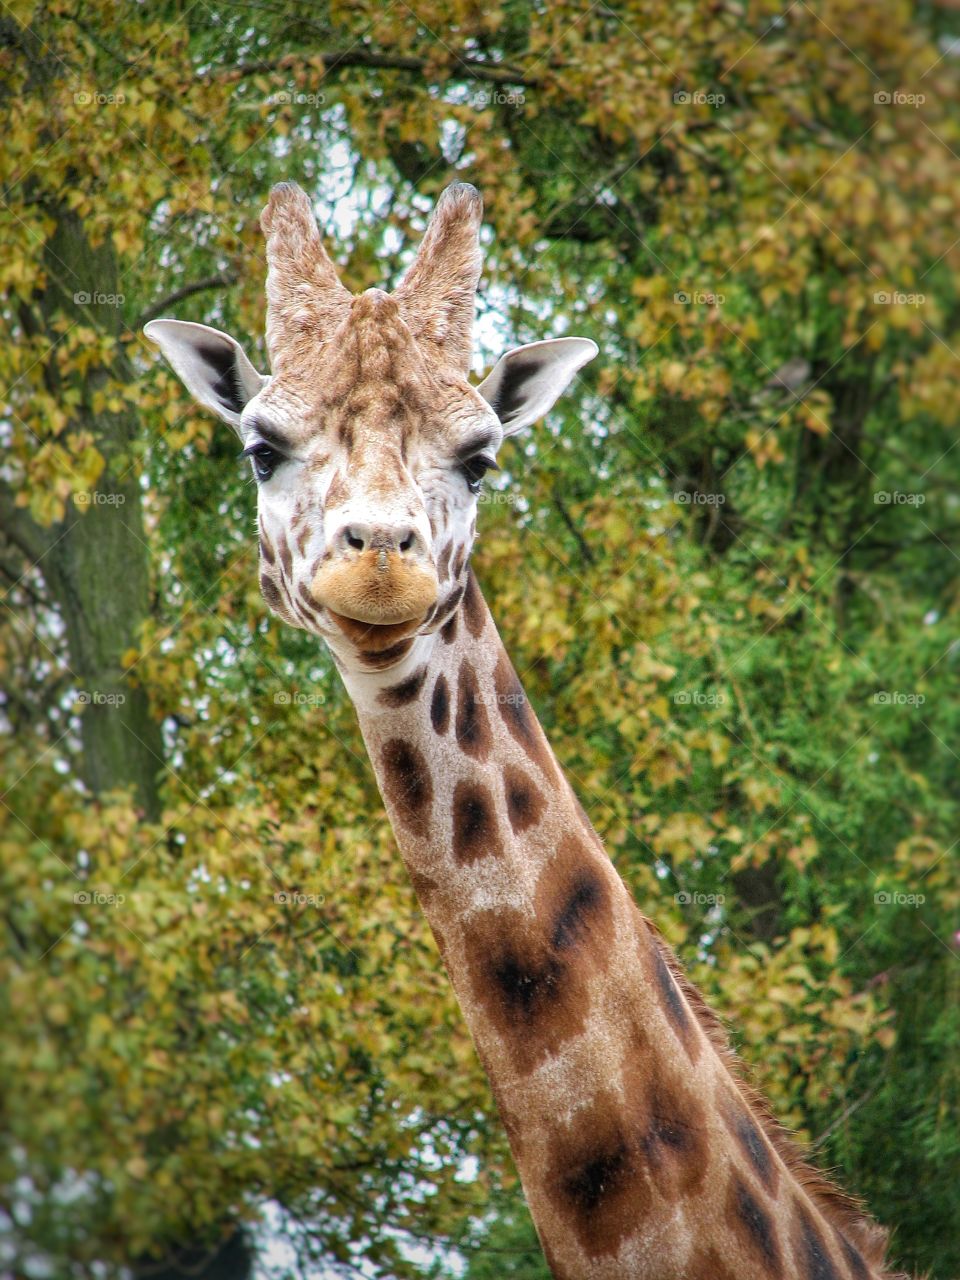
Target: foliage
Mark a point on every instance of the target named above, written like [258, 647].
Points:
[726, 572]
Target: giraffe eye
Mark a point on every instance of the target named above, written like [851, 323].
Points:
[265, 459]
[474, 469]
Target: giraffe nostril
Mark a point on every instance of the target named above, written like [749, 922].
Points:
[354, 539]
[407, 541]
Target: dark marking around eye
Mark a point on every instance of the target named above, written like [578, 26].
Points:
[259, 430]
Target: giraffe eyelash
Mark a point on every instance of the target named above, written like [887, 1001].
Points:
[265, 459]
[474, 469]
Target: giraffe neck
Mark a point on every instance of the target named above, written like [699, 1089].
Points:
[640, 1151]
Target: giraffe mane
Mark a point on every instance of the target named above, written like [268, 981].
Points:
[843, 1211]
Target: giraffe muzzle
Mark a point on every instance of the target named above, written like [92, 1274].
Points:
[377, 586]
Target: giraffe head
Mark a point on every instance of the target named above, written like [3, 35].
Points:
[367, 442]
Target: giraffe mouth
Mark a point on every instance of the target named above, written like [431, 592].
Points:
[376, 599]
[375, 636]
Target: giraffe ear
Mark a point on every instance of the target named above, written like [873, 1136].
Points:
[210, 364]
[525, 382]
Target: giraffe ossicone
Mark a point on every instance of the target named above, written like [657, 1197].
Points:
[642, 1151]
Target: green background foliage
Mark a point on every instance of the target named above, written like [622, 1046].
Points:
[725, 567]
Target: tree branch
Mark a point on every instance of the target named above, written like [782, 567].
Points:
[20, 529]
[334, 59]
[585, 552]
[221, 280]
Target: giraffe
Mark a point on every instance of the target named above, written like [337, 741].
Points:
[642, 1150]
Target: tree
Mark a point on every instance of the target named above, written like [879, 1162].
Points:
[727, 576]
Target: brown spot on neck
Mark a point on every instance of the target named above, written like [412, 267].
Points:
[665, 979]
[448, 606]
[475, 831]
[811, 1248]
[474, 608]
[754, 1226]
[440, 705]
[533, 975]
[399, 695]
[517, 715]
[472, 725]
[594, 1179]
[407, 785]
[752, 1142]
[525, 801]
[379, 659]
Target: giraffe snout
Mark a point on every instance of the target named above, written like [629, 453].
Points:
[379, 574]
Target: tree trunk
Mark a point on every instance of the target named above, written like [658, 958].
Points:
[97, 563]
